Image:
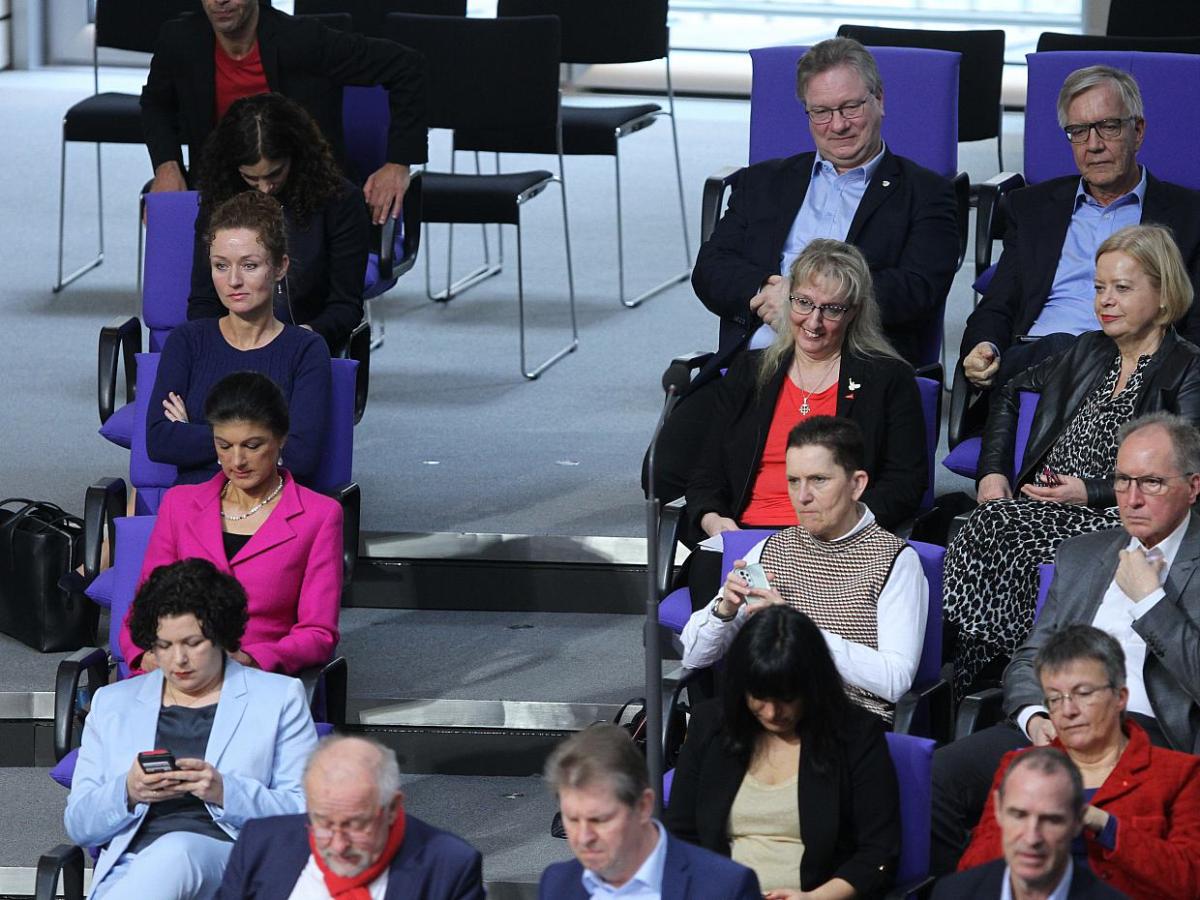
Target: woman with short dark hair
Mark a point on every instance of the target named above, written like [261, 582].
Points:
[784, 773]
[282, 541]
[236, 741]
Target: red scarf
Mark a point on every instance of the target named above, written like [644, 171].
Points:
[342, 888]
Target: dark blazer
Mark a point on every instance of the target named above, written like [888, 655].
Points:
[301, 59]
[431, 864]
[1084, 568]
[1036, 223]
[689, 873]
[885, 403]
[327, 258]
[985, 883]
[906, 227]
[1171, 383]
[849, 817]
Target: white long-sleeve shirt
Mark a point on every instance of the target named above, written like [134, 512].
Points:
[886, 671]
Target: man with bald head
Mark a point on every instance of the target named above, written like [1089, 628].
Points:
[357, 842]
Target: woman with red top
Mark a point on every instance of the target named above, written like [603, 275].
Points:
[830, 358]
[1141, 829]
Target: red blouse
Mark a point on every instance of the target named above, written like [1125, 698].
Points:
[769, 503]
[237, 78]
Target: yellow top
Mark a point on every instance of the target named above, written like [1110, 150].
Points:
[764, 830]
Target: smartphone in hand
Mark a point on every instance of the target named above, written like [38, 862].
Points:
[753, 576]
[153, 762]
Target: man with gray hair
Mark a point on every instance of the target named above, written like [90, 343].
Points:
[620, 849]
[1042, 286]
[1140, 584]
[356, 842]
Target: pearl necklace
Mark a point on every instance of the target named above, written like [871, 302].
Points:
[805, 409]
[229, 517]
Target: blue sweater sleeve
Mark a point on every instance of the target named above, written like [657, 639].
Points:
[183, 444]
[308, 408]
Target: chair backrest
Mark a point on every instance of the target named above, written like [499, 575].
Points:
[365, 121]
[1153, 17]
[602, 31]
[980, 73]
[1167, 82]
[152, 479]
[134, 24]
[167, 273]
[1050, 41]
[913, 759]
[494, 82]
[920, 90]
[1028, 401]
[931, 409]
[337, 21]
[367, 16]
[932, 560]
[1045, 576]
[129, 549]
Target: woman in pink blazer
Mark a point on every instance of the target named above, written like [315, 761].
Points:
[282, 541]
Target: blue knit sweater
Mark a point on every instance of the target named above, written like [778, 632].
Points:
[196, 356]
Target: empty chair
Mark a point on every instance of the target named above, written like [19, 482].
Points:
[1050, 41]
[1152, 18]
[367, 16]
[494, 83]
[606, 32]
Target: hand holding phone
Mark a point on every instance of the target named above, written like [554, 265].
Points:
[753, 576]
[154, 762]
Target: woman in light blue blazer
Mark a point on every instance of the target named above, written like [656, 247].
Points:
[240, 738]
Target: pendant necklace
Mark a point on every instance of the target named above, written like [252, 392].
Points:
[805, 409]
[230, 517]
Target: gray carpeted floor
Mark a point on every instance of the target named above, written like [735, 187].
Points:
[30, 798]
[454, 439]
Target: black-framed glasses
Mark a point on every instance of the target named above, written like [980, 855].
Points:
[823, 115]
[804, 306]
[1108, 129]
[1084, 695]
[1150, 485]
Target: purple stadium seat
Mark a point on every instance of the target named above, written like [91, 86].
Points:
[964, 458]
[1045, 576]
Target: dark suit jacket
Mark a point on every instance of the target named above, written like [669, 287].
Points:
[271, 853]
[849, 817]
[302, 60]
[1171, 383]
[885, 403]
[1084, 568]
[905, 226]
[984, 883]
[689, 873]
[1036, 223]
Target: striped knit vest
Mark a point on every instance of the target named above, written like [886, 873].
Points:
[837, 584]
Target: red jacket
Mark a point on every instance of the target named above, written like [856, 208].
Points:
[1154, 794]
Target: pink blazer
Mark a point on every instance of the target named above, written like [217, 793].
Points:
[291, 569]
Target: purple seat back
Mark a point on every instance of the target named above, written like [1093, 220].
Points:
[1028, 406]
[915, 83]
[129, 549]
[1168, 85]
[913, 759]
[930, 666]
[167, 278]
[1045, 576]
[151, 479]
[736, 544]
[931, 408]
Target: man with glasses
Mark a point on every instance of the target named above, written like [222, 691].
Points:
[1042, 287]
[1139, 584]
[357, 841]
[853, 189]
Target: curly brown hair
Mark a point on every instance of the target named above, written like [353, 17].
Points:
[195, 587]
[256, 212]
[269, 126]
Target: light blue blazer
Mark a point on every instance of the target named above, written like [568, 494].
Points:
[261, 737]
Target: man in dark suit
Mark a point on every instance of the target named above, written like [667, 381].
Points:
[356, 840]
[202, 64]
[607, 810]
[1039, 807]
[900, 215]
[1138, 583]
[1042, 286]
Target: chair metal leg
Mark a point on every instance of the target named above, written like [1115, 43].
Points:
[569, 348]
[62, 282]
[376, 323]
[472, 278]
[141, 242]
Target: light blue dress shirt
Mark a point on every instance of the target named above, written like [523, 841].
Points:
[1059, 893]
[1070, 308]
[827, 211]
[646, 883]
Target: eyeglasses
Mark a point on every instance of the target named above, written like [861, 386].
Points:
[357, 832]
[823, 115]
[804, 306]
[1150, 485]
[1108, 129]
[1084, 695]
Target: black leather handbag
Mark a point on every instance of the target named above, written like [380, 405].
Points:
[39, 544]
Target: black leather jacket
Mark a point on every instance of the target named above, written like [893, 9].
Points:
[1171, 383]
